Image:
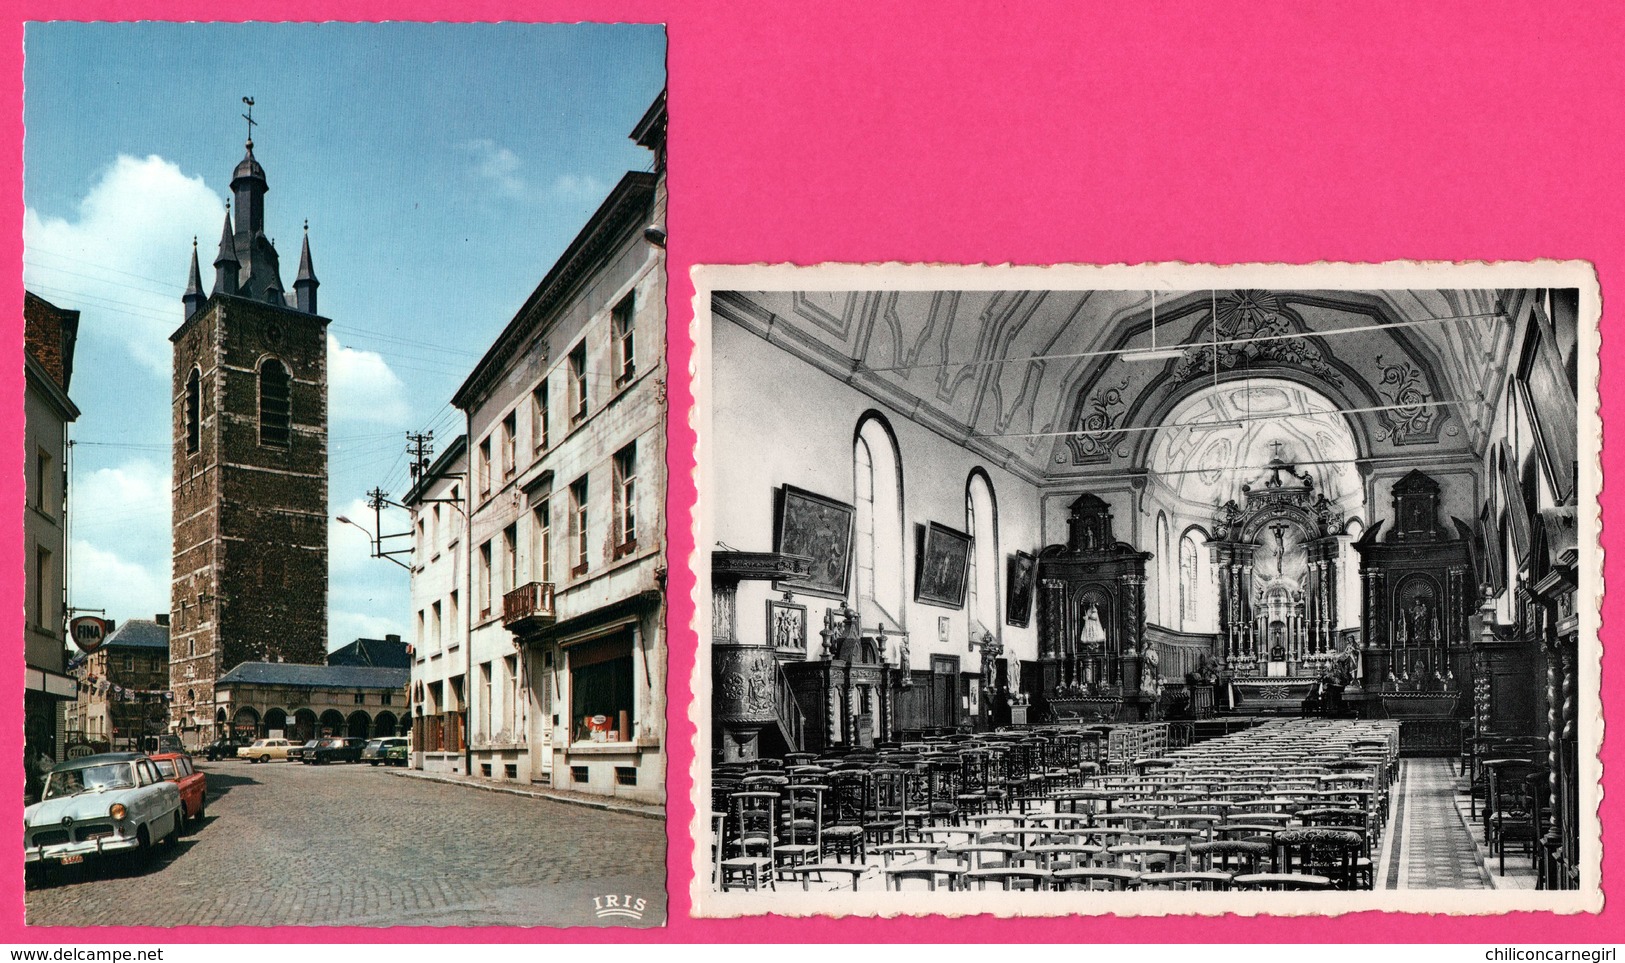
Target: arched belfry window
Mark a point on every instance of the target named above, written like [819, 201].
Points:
[877, 483]
[276, 403]
[982, 524]
[194, 408]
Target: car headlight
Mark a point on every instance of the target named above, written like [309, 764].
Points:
[117, 811]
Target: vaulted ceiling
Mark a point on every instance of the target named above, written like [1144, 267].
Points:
[1055, 384]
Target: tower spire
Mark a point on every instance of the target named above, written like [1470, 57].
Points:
[194, 296]
[226, 263]
[304, 286]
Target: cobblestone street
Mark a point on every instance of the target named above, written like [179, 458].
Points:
[351, 845]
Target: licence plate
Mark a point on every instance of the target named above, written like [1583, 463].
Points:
[77, 858]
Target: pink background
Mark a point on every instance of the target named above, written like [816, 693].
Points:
[1035, 133]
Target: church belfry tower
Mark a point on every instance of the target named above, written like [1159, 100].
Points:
[249, 430]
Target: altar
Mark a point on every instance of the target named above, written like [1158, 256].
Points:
[1254, 695]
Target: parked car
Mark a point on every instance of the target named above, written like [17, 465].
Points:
[223, 748]
[168, 742]
[301, 753]
[336, 749]
[264, 750]
[114, 802]
[377, 750]
[177, 767]
[395, 752]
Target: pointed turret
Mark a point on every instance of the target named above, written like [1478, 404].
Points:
[305, 285]
[194, 296]
[226, 264]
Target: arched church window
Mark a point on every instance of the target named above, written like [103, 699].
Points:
[982, 523]
[1165, 572]
[276, 411]
[1188, 586]
[194, 408]
[877, 482]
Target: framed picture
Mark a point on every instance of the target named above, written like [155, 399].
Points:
[821, 529]
[1020, 570]
[944, 557]
[786, 625]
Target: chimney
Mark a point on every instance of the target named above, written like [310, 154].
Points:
[392, 638]
[162, 618]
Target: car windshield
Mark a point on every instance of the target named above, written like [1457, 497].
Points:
[71, 782]
[166, 767]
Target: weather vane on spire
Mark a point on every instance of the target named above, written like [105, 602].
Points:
[250, 118]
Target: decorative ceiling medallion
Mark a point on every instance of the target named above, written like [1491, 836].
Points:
[1103, 410]
[1244, 315]
[1411, 420]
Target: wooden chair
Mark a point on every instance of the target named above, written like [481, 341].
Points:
[842, 833]
[1095, 878]
[1332, 853]
[756, 824]
[1513, 807]
[950, 873]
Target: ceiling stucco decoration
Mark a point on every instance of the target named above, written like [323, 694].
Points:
[1224, 436]
[1412, 420]
[1244, 315]
[1105, 407]
[1013, 375]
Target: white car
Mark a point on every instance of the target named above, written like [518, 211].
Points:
[264, 750]
[109, 803]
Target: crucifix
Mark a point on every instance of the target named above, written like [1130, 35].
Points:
[1276, 445]
[250, 118]
[1280, 544]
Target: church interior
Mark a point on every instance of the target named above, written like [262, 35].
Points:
[1134, 590]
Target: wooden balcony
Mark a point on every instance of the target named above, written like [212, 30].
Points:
[528, 608]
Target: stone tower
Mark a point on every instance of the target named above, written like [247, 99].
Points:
[249, 576]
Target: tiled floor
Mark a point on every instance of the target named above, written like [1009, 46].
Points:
[1429, 844]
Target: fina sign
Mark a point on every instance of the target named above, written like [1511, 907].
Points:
[89, 632]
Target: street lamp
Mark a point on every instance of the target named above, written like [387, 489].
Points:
[377, 543]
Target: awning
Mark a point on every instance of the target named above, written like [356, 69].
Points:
[53, 684]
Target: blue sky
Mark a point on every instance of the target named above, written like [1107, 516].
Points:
[442, 167]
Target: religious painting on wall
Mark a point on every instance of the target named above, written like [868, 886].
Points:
[944, 557]
[1018, 602]
[786, 625]
[818, 528]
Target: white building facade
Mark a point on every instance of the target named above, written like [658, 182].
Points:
[560, 572]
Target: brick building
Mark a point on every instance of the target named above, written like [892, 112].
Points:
[49, 334]
[249, 578]
[122, 685]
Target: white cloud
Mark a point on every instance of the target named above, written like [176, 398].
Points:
[122, 258]
[578, 188]
[363, 388]
[125, 589]
[501, 167]
[505, 171]
[344, 627]
[121, 548]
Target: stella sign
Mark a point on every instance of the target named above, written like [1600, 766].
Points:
[88, 632]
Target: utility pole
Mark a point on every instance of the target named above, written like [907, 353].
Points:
[420, 445]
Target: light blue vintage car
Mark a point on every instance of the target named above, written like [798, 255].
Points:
[108, 803]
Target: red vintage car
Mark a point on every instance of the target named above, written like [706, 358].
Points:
[177, 767]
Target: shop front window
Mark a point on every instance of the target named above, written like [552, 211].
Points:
[601, 691]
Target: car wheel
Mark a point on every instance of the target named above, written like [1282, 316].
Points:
[202, 804]
[265, 758]
[176, 824]
[373, 762]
